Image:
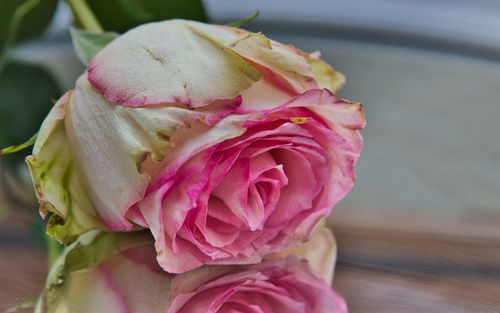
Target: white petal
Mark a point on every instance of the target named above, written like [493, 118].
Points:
[291, 67]
[172, 61]
[57, 182]
[109, 140]
[91, 292]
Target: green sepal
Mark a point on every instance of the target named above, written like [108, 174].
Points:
[87, 44]
[245, 20]
[15, 148]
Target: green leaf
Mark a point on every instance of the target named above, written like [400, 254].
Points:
[121, 15]
[26, 91]
[88, 44]
[34, 22]
[245, 20]
[136, 9]
[15, 148]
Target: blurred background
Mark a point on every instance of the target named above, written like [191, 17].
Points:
[419, 232]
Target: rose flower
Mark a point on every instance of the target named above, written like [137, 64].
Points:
[219, 141]
[118, 273]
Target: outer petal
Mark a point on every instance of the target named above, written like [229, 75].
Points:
[172, 61]
[287, 71]
[57, 182]
[343, 117]
[289, 67]
[144, 289]
[291, 62]
[109, 141]
[329, 301]
[326, 76]
[265, 94]
[91, 292]
[320, 251]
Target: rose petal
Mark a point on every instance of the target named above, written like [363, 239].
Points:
[343, 117]
[292, 68]
[233, 189]
[320, 251]
[171, 61]
[108, 141]
[187, 142]
[57, 182]
[301, 189]
[96, 285]
[143, 288]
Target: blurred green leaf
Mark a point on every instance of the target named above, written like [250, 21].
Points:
[245, 20]
[137, 10]
[25, 93]
[121, 15]
[33, 23]
[88, 44]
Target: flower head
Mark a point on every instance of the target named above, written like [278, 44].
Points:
[219, 141]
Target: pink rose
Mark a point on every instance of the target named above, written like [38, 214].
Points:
[282, 285]
[219, 141]
[263, 191]
[118, 273]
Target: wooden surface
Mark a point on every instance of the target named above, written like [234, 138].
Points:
[386, 264]
[416, 264]
[23, 262]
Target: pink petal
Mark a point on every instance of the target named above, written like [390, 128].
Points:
[297, 195]
[233, 189]
[343, 117]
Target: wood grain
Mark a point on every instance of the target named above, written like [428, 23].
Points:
[386, 291]
[23, 263]
[417, 263]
